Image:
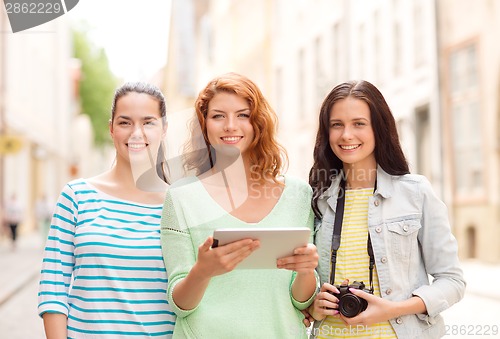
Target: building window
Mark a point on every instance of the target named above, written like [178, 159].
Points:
[362, 51]
[466, 120]
[301, 84]
[419, 34]
[397, 48]
[377, 66]
[335, 44]
[471, 242]
[206, 34]
[463, 70]
[423, 141]
[279, 92]
[320, 78]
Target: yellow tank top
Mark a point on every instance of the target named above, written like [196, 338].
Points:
[352, 263]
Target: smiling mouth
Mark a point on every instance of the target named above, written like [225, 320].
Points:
[136, 146]
[231, 140]
[349, 147]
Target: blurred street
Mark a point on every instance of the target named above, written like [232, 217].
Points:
[476, 315]
[19, 287]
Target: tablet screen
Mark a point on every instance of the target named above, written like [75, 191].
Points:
[274, 243]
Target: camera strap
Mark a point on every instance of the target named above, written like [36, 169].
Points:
[337, 229]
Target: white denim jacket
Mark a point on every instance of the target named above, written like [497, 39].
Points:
[411, 239]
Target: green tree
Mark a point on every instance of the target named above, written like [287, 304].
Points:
[97, 84]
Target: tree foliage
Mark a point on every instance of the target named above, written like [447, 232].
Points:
[97, 85]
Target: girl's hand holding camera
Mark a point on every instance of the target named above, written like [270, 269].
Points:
[325, 303]
[378, 310]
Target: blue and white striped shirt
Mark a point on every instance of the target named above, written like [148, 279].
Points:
[103, 267]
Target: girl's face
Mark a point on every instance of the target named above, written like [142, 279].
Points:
[351, 134]
[228, 122]
[137, 127]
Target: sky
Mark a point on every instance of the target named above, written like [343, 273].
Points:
[134, 33]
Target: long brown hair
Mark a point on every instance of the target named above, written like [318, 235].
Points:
[267, 156]
[388, 152]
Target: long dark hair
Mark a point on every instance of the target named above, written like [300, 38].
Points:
[388, 152]
[155, 93]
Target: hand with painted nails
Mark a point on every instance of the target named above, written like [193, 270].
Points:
[325, 303]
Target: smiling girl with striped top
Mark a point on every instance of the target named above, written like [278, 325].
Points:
[103, 274]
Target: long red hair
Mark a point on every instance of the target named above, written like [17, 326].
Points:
[267, 157]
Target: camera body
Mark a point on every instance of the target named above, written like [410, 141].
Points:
[351, 305]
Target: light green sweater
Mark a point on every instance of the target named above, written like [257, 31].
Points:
[242, 303]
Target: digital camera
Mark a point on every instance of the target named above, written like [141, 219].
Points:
[351, 305]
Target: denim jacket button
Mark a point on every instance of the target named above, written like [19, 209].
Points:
[376, 203]
[378, 229]
[399, 320]
[405, 228]
[383, 260]
[388, 291]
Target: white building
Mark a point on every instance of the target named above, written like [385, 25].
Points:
[39, 109]
[318, 44]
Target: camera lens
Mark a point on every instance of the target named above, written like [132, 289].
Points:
[350, 305]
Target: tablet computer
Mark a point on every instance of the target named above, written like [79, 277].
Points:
[274, 243]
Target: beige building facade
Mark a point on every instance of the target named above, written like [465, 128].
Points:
[470, 89]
